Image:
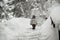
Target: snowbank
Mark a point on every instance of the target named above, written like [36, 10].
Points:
[20, 29]
[55, 13]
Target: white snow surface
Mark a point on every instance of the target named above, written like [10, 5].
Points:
[16, 27]
[20, 29]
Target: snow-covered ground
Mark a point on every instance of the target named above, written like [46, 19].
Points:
[20, 29]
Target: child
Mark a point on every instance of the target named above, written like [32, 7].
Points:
[33, 22]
